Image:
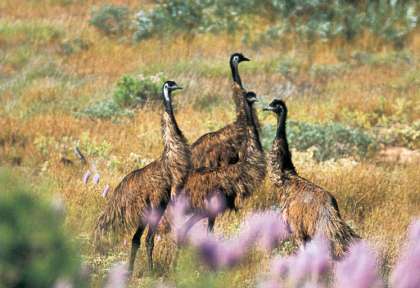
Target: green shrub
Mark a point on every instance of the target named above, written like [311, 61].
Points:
[129, 93]
[73, 46]
[330, 141]
[133, 91]
[34, 249]
[401, 135]
[389, 20]
[105, 109]
[110, 19]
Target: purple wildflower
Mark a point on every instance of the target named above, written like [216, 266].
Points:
[312, 264]
[210, 252]
[268, 227]
[406, 272]
[177, 212]
[117, 276]
[152, 217]
[232, 252]
[358, 268]
[280, 267]
[308, 268]
[105, 191]
[96, 178]
[215, 205]
[86, 176]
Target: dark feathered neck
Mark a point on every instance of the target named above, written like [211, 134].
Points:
[281, 126]
[284, 156]
[255, 126]
[235, 73]
[169, 116]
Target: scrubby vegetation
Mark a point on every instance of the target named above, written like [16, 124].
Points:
[389, 21]
[69, 77]
[35, 250]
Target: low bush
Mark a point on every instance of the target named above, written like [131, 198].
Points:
[34, 249]
[105, 109]
[133, 91]
[329, 141]
[390, 21]
[110, 19]
[129, 93]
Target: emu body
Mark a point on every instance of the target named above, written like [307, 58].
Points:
[308, 208]
[149, 188]
[234, 182]
[222, 147]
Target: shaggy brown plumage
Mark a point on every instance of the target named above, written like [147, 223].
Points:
[234, 182]
[150, 187]
[221, 147]
[308, 208]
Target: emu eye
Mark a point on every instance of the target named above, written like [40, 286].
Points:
[236, 58]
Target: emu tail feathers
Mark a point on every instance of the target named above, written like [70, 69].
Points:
[117, 216]
[338, 232]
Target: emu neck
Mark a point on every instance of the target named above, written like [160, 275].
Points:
[169, 125]
[281, 153]
[240, 105]
[254, 125]
[281, 127]
[235, 74]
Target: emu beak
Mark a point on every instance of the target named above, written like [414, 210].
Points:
[267, 108]
[178, 88]
[245, 59]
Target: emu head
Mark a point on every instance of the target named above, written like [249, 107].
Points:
[277, 106]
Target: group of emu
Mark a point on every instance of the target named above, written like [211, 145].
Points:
[230, 162]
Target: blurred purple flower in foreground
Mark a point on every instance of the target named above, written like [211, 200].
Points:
[359, 268]
[117, 276]
[406, 273]
[178, 217]
[153, 216]
[267, 228]
[264, 229]
[215, 205]
[310, 267]
[86, 176]
[105, 191]
[96, 178]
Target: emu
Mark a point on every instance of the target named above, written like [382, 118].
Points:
[149, 187]
[221, 147]
[235, 182]
[308, 208]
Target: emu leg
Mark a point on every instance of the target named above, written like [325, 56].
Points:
[135, 245]
[150, 237]
[150, 244]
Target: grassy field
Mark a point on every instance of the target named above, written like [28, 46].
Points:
[54, 65]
